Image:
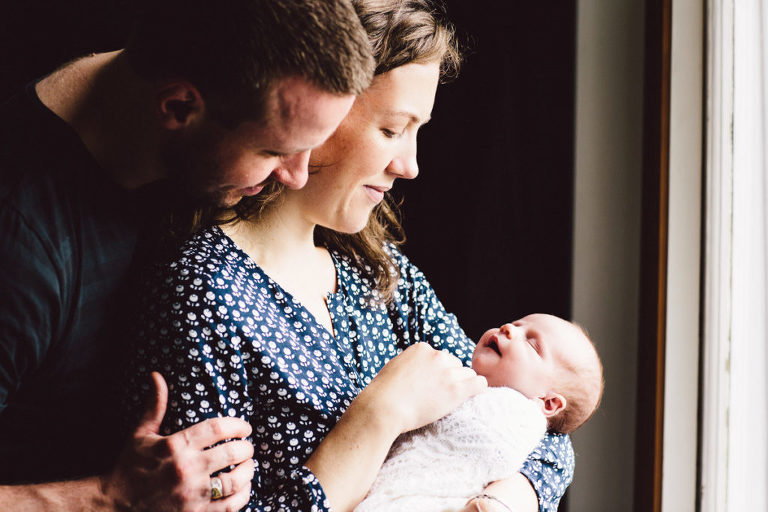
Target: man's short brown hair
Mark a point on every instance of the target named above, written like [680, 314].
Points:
[234, 50]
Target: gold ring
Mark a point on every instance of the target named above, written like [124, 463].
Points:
[217, 490]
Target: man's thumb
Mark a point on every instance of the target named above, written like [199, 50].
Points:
[153, 415]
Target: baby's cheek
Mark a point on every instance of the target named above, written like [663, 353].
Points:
[482, 366]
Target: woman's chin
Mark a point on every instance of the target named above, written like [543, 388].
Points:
[349, 227]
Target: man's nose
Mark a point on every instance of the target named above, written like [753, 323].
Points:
[293, 170]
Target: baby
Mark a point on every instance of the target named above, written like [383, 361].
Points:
[543, 374]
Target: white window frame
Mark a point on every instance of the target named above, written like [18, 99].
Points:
[717, 255]
[734, 440]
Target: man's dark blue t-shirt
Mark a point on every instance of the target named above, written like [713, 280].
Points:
[67, 238]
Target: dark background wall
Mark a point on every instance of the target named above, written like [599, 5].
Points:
[37, 36]
[489, 218]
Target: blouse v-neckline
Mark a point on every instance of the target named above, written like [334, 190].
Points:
[332, 299]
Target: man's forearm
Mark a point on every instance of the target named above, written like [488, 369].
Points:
[71, 496]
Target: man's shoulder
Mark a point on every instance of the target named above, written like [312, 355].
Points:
[48, 179]
[33, 150]
[25, 123]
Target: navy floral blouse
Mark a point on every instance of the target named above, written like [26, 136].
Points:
[231, 342]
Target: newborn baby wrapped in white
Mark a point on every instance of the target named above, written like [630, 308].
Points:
[437, 468]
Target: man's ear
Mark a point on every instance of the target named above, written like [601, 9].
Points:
[179, 104]
[552, 403]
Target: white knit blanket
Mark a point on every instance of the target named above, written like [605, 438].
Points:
[437, 468]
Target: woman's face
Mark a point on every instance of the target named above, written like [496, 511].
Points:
[374, 145]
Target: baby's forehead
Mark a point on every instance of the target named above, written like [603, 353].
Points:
[550, 325]
[568, 339]
[582, 350]
[553, 327]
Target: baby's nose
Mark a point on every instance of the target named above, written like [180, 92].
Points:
[507, 330]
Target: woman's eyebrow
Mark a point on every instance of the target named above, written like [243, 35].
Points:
[409, 115]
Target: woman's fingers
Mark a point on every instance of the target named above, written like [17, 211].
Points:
[421, 354]
[459, 384]
[467, 376]
[422, 385]
[448, 358]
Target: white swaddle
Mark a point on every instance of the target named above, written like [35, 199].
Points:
[437, 468]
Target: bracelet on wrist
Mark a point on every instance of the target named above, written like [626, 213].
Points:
[490, 498]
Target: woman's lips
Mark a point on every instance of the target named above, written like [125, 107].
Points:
[376, 194]
[252, 191]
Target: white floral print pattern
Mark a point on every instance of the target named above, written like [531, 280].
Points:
[231, 342]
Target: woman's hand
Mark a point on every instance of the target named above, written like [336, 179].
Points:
[481, 504]
[513, 494]
[419, 386]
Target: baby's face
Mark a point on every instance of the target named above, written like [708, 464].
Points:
[526, 354]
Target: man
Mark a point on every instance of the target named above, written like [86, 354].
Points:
[210, 99]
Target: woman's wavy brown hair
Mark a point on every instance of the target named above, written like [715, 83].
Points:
[400, 32]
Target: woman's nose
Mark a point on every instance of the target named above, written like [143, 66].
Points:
[406, 168]
[405, 165]
[411, 168]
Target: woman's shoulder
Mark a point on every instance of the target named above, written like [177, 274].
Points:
[208, 256]
[401, 262]
[411, 277]
[360, 271]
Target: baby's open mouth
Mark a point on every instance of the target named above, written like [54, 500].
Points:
[493, 344]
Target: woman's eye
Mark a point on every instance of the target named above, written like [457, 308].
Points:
[390, 134]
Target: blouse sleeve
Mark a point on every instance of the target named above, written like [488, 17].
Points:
[426, 318]
[192, 340]
[550, 466]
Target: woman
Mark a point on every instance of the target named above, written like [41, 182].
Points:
[302, 317]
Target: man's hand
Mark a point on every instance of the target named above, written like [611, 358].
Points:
[172, 473]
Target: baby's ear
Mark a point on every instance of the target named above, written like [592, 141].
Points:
[551, 403]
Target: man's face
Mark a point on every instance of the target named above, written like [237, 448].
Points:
[223, 165]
